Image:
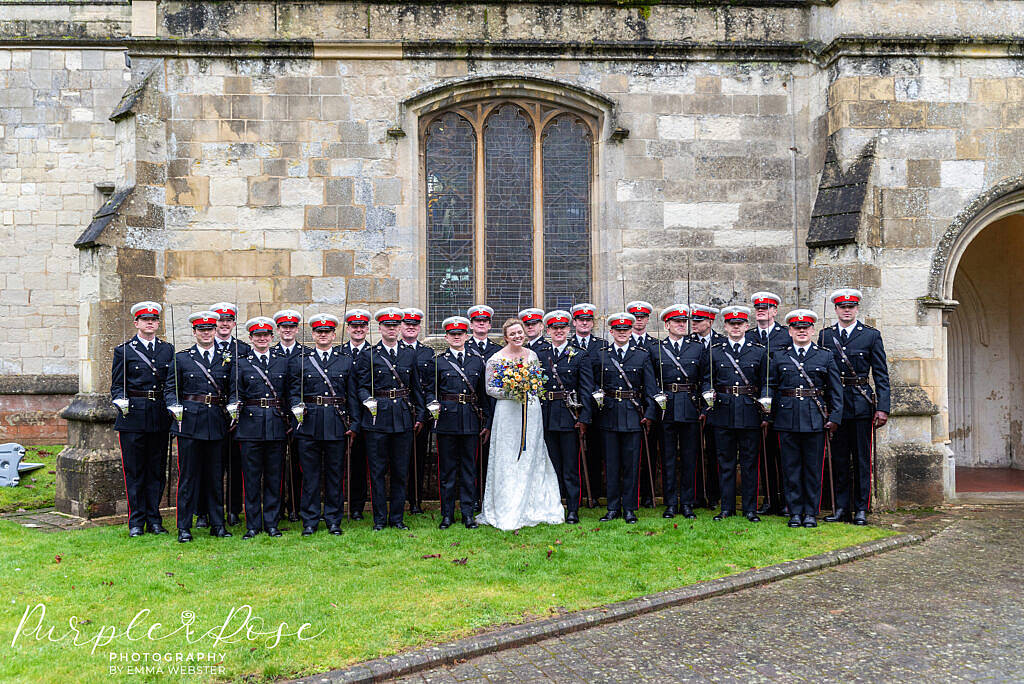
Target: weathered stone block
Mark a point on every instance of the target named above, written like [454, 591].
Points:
[193, 191]
[264, 191]
[338, 262]
[338, 191]
[321, 216]
[351, 218]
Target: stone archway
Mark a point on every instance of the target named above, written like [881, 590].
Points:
[976, 277]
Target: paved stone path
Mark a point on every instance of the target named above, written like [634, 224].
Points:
[950, 610]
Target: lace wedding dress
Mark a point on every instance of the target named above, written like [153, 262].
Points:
[522, 490]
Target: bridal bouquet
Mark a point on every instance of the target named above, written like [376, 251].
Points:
[517, 380]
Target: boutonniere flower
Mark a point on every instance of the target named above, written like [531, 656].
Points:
[225, 358]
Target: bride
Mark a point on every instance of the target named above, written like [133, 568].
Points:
[522, 489]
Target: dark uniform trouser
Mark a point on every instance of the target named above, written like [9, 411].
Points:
[680, 449]
[144, 461]
[564, 452]
[231, 460]
[360, 473]
[729, 441]
[622, 455]
[708, 494]
[420, 446]
[802, 456]
[852, 442]
[199, 476]
[321, 458]
[483, 451]
[456, 465]
[595, 459]
[388, 451]
[262, 468]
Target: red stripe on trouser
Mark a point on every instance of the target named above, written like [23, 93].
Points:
[821, 480]
[124, 476]
[579, 469]
[177, 487]
[639, 467]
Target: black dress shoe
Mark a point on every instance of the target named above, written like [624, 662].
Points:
[232, 519]
[400, 526]
[610, 515]
[202, 521]
[630, 517]
[477, 507]
[446, 522]
[752, 517]
[356, 515]
[308, 530]
[136, 531]
[184, 536]
[273, 532]
[722, 515]
[377, 527]
[838, 515]
[334, 529]
[219, 532]
[572, 518]
[471, 524]
[860, 518]
[157, 528]
[765, 509]
[688, 512]
[810, 521]
[647, 503]
[293, 517]
[249, 534]
[670, 512]
[415, 510]
[794, 521]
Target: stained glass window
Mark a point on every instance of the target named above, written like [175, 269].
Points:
[566, 175]
[508, 178]
[491, 220]
[450, 173]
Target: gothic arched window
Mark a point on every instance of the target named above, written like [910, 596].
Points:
[508, 207]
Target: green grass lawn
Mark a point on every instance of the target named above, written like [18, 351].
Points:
[364, 594]
[36, 488]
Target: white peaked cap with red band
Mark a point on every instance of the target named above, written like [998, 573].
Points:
[323, 321]
[583, 310]
[389, 314]
[455, 324]
[846, 295]
[768, 298]
[480, 311]
[702, 311]
[530, 315]
[675, 311]
[259, 324]
[205, 318]
[357, 316]
[736, 313]
[801, 317]
[621, 320]
[412, 315]
[146, 309]
[639, 307]
[286, 316]
[557, 317]
[224, 308]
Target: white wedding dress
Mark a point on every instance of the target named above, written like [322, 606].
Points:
[521, 490]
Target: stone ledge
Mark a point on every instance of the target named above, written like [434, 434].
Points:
[38, 384]
[520, 635]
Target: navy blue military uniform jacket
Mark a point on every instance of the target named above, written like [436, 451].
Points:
[347, 348]
[458, 417]
[801, 414]
[778, 338]
[424, 362]
[324, 422]
[732, 410]
[200, 420]
[258, 423]
[682, 405]
[866, 354]
[397, 414]
[538, 344]
[577, 374]
[593, 344]
[621, 415]
[130, 370]
[489, 349]
[229, 346]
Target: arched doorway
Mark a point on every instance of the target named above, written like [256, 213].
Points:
[986, 361]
